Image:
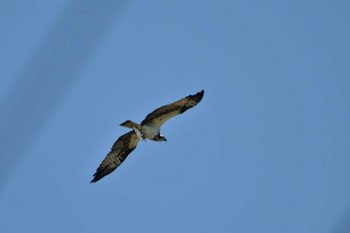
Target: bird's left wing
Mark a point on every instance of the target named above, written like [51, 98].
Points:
[120, 150]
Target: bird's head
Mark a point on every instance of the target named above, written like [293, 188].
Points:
[159, 138]
[163, 138]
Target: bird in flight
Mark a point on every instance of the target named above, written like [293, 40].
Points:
[148, 129]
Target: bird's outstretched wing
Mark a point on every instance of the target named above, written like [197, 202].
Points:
[120, 150]
[164, 113]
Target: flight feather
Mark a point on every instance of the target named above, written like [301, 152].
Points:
[120, 150]
[164, 113]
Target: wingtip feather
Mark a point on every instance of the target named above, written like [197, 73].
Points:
[199, 95]
[95, 179]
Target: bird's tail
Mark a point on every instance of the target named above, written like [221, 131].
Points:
[130, 124]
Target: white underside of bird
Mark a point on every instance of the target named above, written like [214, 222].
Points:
[138, 133]
[147, 131]
[150, 131]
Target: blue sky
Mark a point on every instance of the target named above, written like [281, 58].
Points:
[267, 149]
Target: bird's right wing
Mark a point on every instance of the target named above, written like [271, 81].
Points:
[164, 113]
[120, 150]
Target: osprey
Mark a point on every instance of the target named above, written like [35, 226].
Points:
[148, 129]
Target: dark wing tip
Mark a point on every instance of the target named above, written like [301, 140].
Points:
[201, 93]
[198, 97]
[97, 177]
[101, 172]
[93, 180]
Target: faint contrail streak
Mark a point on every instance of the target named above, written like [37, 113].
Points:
[45, 79]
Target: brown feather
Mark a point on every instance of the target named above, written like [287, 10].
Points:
[164, 113]
[130, 124]
[119, 152]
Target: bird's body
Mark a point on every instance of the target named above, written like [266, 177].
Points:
[148, 129]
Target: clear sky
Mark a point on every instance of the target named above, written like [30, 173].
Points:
[267, 149]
